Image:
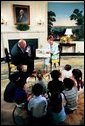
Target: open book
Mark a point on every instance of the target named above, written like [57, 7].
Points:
[42, 53]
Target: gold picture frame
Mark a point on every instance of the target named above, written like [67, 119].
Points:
[21, 14]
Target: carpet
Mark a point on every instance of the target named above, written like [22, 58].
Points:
[77, 117]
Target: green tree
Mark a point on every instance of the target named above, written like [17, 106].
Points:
[78, 16]
[51, 19]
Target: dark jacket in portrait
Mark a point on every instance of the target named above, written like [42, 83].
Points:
[22, 19]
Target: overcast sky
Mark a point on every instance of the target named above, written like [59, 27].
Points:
[63, 11]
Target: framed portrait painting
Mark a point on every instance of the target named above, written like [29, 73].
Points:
[21, 14]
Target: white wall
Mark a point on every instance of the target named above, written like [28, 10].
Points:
[79, 46]
[38, 10]
[78, 49]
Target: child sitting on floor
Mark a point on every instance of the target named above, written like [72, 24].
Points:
[56, 109]
[71, 95]
[67, 72]
[41, 81]
[37, 105]
[55, 85]
[11, 87]
[77, 77]
[20, 95]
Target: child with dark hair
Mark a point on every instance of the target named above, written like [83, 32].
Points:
[11, 87]
[71, 95]
[55, 85]
[67, 72]
[77, 77]
[20, 95]
[67, 67]
[56, 110]
[37, 89]
[55, 74]
[37, 105]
